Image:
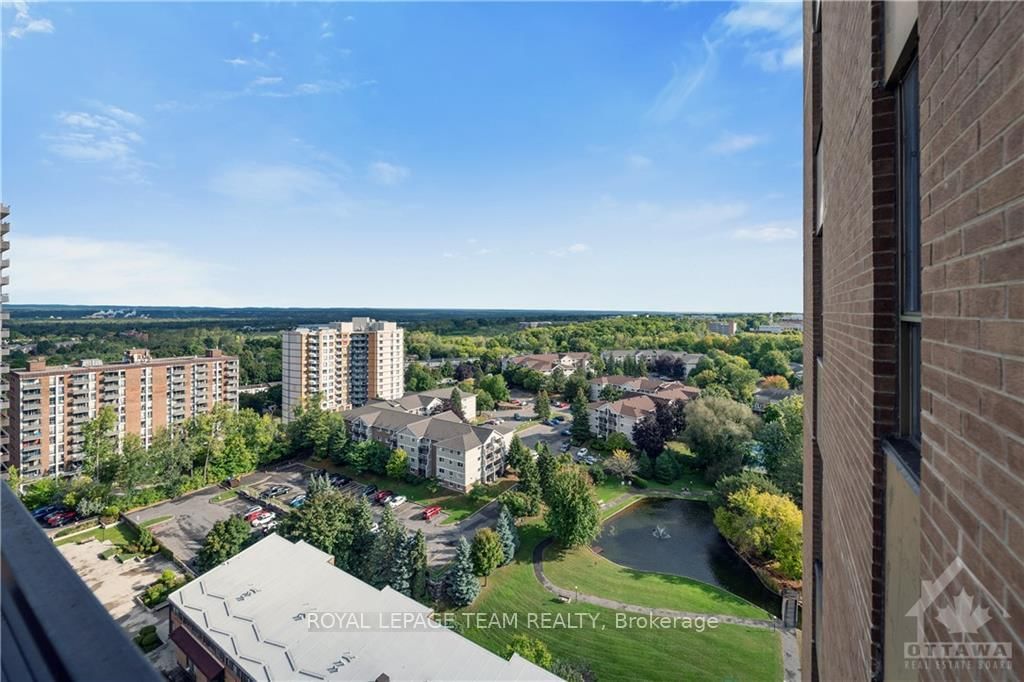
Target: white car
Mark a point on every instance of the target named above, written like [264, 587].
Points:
[581, 453]
[263, 519]
[251, 510]
[396, 500]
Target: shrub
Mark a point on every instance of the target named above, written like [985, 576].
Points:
[639, 483]
[147, 629]
[520, 504]
[597, 474]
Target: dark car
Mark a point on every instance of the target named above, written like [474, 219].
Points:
[60, 519]
[274, 491]
[369, 490]
[40, 513]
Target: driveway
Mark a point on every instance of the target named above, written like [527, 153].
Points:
[539, 433]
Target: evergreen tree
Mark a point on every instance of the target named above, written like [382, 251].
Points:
[665, 470]
[382, 554]
[508, 534]
[542, 406]
[456, 401]
[417, 558]
[547, 464]
[644, 466]
[362, 540]
[401, 569]
[461, 587]
[580, 419]
[517, 454]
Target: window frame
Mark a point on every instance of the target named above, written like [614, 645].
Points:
[908, 310]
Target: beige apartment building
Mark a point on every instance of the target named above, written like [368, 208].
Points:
[50, 405]
[345, 363]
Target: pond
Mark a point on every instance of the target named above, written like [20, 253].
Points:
[679, 537]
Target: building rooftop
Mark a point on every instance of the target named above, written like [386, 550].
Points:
[133, 358]
[257, 606]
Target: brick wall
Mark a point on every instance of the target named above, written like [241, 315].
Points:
[972, 202]
[971, 57]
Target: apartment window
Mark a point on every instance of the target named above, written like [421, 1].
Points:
[819, 187]
[910, 256]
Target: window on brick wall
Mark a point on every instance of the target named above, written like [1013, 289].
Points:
[910, 255]
[819, 187]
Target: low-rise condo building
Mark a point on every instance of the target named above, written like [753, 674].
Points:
[546, 363]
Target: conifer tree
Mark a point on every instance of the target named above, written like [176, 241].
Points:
[461, 587]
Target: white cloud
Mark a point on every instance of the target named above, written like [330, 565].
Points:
[781, 18]
[448, 254]
[108, 138]
[483, 252]
[778, 59]
[672, 97]
[731, 143]
[638, 161]
[257, 38]
[349, 18]
[571, 249]
[25, 23]
[52, 269]
[385, 173]
[237, 61]
[266, 80]
[769, 232]
[277, 183]
[326, 34]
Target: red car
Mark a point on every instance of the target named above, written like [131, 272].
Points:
[60, 519]
[253, 513]
[431, 512]
[383, 496]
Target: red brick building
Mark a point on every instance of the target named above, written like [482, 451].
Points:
[914, 329]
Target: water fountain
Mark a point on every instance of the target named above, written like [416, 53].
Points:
[661, 533]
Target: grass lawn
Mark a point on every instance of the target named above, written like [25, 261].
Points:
[457, 505]
[616, 650]
[220, 498]
[593, 574]
[619, 506]
[155, 520]
[121, 534]
[611, 489]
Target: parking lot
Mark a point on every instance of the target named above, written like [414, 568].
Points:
[194, 515]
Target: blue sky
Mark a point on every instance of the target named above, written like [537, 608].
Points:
[531, 155]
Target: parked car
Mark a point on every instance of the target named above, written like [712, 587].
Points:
[590, 459]
[566, 432]
[263, 519]
[383, 496]
[396, 501]
[267, 529]
[520, 417]
[274, 491]
[565, 447]
[430, 512]
[562, 406]
[370, 490]
[61, 518]
[40, 513]
[558, 419]
[297, 501]
[253, 512]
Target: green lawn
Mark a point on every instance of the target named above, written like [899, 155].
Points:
[611, 489]
[619, 506]
[224, 496]
[121, 534]
[593, 574]
[618, 650]
[149, 523]
[457, 505]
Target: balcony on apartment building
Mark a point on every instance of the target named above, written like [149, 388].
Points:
[47, 608]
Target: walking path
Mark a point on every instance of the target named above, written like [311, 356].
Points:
[790, 652]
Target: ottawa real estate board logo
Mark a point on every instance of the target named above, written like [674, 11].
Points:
[960, 613]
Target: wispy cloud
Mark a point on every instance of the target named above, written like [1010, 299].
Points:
[768, 232]
[777, 59]
[770, 32]
[107, 136]
[51, 270]
[781, 18]
[385, 173]
[257, 38]
[266, 80]
[576, 248]
[237, 61]
[25, 23]
[276, 182]
[731, 143]
[638, 161]
[672, 98]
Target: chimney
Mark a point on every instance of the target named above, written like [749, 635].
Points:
[37, 364]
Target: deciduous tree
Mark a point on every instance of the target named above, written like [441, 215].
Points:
[572, 515]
